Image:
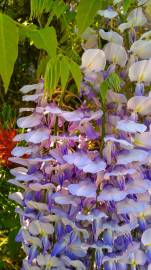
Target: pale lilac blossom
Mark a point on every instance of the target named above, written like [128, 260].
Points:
[116, 54]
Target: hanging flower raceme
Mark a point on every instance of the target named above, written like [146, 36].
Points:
[74, 201]
[86, 183]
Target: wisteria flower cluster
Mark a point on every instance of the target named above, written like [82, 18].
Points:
[86, 182]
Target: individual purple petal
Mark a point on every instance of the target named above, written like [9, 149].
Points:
[146, 237]
[112, 194]
[148, 253]
[29, 161]
[84, 189]
[109, 266]
[56, 154]
[60, 246]
[121, 266]
[134, 155]
[26, 110]
[139, 71]
[140, 104]
[139, 89]
[38, 186]
[53, 109]
[73, 263]
[135, 18]
[27, 266]
[94, 166]
[122, 142]
[107, 13]
[94, 215]
[19, 137]
[90, 131]
[73, 116]
[116, 53]
[141, 48]
[138, 186]
[19, 151]
[32, 97]
[84, 163]
[49, 261]
[64, 138]
[93, 116]
[138, 257]
[35, 241]
[18, 170]
[21, 174]
[93, 60]
[78, 159]
[16, 183]
[111, 36]
[143, 140]
[40, 109]
[27, 88]
[120, 172]
[115, 97]
[32, 254]
[27, 178]
[98, 257]
[78, 249]
[130, 126]
[131, 207]
[29, 121]
[18, 160]
[64, 199]
[17, 197]
[37, 227]
[37, 136]
[37, 205]
[121, 243]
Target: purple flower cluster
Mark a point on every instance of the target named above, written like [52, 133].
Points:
[76, 201]
[86, 182]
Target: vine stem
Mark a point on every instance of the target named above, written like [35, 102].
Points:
[56, 126]
[103, 124]
[92, 260]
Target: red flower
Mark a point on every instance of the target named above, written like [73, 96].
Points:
[6, 146]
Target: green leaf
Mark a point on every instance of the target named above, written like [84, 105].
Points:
[60, 67]
[86, 12]
[56, 73]
[58, 8]
[126, 5]
[52, 75]
[44, 39]
[64, 71]
[114, 81]
[8, 48]
[24, 30]
[39, 6]
[42, 66]
[103, 90]
[72, 54]
[76, 72]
